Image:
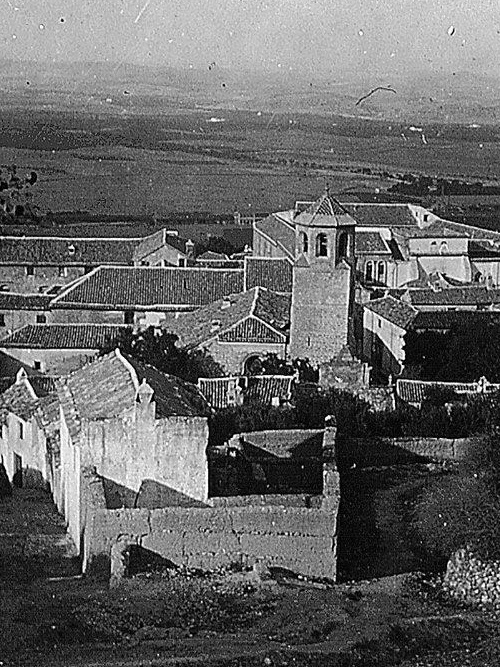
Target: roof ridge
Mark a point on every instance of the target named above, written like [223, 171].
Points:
[130, 368]
[73, 238]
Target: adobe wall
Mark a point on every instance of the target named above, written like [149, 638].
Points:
[83, 316]
[31, 448]
[389, 451]
[15, 319]
[136, 447]
[17, 280]
[302, 540]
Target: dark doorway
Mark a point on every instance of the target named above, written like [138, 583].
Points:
[17, 479]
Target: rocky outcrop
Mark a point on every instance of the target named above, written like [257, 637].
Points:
[473, 580]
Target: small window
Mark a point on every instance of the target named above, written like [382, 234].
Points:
[321, 245]
[433, 246]
[443, 248]
[369, 272]
[379, 323]
[426, 217]
[30, 270]
[37, 365]
[2, 319]
[62, 271]
[2, 426]
[21, 431]
[182, 261]
[304, 242]
[129, 317]
[41, 318]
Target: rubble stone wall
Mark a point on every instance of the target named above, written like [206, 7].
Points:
[472, 580]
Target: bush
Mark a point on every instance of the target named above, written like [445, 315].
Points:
[461, 510]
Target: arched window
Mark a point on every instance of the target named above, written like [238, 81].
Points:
[304, 241]
[381, 275]
[443, 248]
[321, 245]
[369, 272]
[343, 245]
[433, 246]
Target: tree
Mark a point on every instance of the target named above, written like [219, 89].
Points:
[16, 195]
[159, 349]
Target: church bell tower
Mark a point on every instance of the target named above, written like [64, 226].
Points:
[323, 281]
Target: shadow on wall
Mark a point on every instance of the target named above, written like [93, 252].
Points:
[251, 470]
[151, 495]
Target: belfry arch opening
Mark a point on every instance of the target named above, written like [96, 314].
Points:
[321, 245]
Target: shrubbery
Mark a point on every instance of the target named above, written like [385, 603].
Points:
[355, 418]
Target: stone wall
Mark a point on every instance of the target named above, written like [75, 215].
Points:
[232, 356]
[389, 451]
[472, 580]
[300, 539]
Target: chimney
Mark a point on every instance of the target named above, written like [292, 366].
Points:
[215, 326]
[145, 406]
[189, 248]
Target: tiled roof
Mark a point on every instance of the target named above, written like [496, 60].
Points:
[64, 336]
[13, 301]
[281, 231]
[395, 311]
[38, 250]
[149, 288]
[484, 250]
[251, 330]
[259, 306]
[371, 242]
[414, 391]
[325, 212]
[210, 256]
[156, 241]
[454, 296]
[19, 400]
[274, 274]
[445, 319]
[109, 386]
[265, 388]
[382, 215]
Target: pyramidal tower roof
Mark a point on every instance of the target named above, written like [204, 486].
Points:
[325, 212]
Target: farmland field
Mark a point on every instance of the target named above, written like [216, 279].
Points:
[219, 161]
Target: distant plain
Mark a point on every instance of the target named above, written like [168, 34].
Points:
[133, 153]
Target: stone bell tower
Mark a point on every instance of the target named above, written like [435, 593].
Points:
[323, 281]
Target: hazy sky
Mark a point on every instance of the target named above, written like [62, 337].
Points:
[305, 36]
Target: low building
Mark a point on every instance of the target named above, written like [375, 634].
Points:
[29, 430]
[142, 295]
[32, 263]
[142, 432]
[237, 330]
[17, 310]
[58, 349]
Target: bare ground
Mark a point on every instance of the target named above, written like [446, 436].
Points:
[49, 616]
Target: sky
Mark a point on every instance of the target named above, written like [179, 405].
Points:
[309, 36]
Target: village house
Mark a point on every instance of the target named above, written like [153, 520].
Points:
[142, 432]
[37, 263]
[388, 321]
[57, 349]
[237, 330]
[29, 430]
